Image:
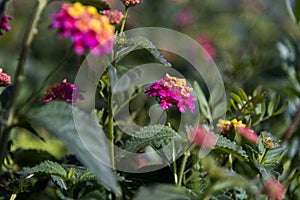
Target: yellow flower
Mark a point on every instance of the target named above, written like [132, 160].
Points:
[77, 10]
[236, 123]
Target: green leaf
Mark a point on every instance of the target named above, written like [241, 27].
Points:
[59, 181]
[154, 135]
[219, 110]
[236, 98]
[281, 109]
[164, 192]
[46, 168]
[297, 10]
[86, 175]
[57, 118]
[128, 45]
[199, 94]
[271, 107]
[232, 102]
[99, 4]
[231, 147]
[30, 157]
[216, 94]
[243, 94]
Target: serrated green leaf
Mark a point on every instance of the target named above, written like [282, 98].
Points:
[59, 182]
[128, 45]
[274, 155]
[86, 176]
[99, 4]
[243, 94]
[154, 135]
[46, 168]
[57, 118]
[199, 94]
[230, 147]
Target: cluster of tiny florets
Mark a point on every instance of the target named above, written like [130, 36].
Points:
[4, 24]
[88, 29]
[129, 3]
[63, 92]
[172, 91]
[114, 16]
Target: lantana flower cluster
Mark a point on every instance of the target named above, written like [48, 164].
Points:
[203, 137]
[88, 29]
[5, 79]
[4, 23]
[130, 3]
[172, 91]
[274, 189]
[114, 16]
[63, 92]
[239, 128]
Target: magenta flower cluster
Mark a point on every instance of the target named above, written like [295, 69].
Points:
[63, 92]
[88, 29]
[4, 24]
[172, 91]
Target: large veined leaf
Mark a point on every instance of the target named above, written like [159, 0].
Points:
[129, 45]
[155, 135]
[231, 147]
[57, 118]
[99, 4]
[46, 168]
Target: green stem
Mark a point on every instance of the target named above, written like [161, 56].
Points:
[263, 155]
[110, 123]
[182, 167]
[124, 20]
[174, 163]
[19, 75]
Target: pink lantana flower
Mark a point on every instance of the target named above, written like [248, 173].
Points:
[114, 16]
[63, 92]
[247, 133]
[172, 91]
[87, 29]
[207, 46]
[203, 137]
[4, 79]
[185, 17]
[274, 189]
[4, 23]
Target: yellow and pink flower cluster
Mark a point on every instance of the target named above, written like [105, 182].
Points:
[88, 29]
[172, 91]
